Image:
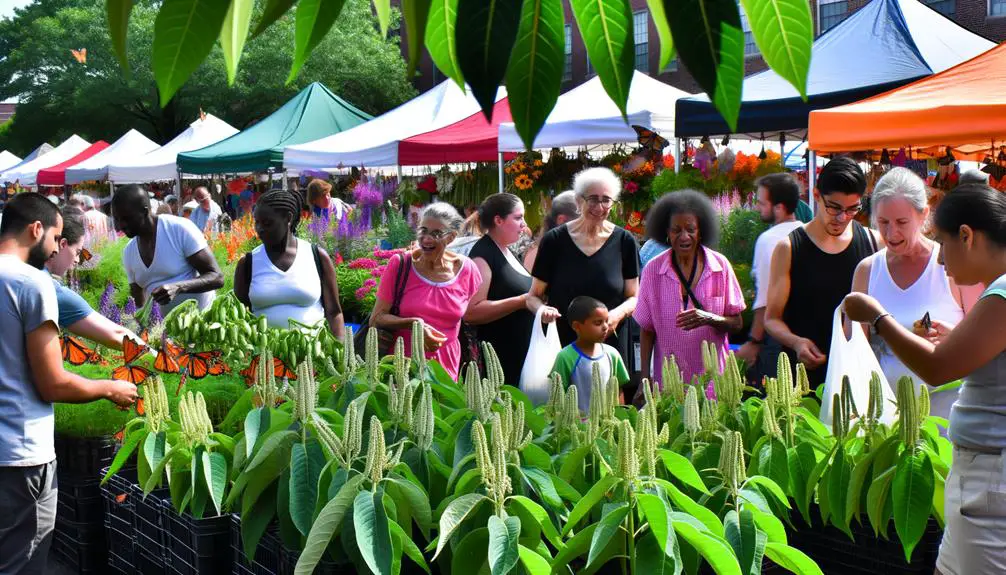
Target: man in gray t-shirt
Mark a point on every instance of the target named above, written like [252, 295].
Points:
[31, 379]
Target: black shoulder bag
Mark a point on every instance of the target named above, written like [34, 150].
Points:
[386, 337]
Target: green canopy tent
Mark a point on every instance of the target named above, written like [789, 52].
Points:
[313, 113]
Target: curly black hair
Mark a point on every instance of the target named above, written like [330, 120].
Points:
[658, 220]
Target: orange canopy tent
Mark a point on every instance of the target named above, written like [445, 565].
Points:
[963, 107]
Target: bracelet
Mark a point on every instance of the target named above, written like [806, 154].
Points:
[877, 319]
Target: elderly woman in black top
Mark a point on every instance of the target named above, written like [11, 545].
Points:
[499, 307]
[589, 256]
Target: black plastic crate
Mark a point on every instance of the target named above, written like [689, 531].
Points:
[197, 546]
[79, 499]
[80, 546]
[148, 523]
[83, 457]
[266, 560]
[148, 564]
[288, 563]
[119, 529]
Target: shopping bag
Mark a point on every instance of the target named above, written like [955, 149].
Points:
[541, 354]
[854, 358]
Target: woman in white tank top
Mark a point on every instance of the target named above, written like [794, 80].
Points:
[906, 277]
[286, 278]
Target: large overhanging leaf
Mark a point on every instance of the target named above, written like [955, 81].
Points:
[534, 78]
[117, 13]
[383, 9]
[234, 33]
[416, 14]
[184, 34]
[710, 42]
[663, 32]
[273, 10]
[784, 32]
[314, 19]
[606, 28]
[487, 29]
[441, 42]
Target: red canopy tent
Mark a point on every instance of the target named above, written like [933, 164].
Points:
[470, 140]
[56, 175]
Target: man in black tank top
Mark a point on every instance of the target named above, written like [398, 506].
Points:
[812, 268]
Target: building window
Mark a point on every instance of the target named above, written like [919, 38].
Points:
[946, 7]
[750, 47]
[997, 7]
[591, 72]
[641, 34]
[567, 71]
[832, 12]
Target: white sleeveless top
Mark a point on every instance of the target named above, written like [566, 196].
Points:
[281, 296]
[930, 293]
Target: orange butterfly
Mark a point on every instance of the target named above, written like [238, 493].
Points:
[80, 55]
[76, 352]
[165, 363]
[279, 370]
[132, 350]
[119, 435]
[120, 497]
[132, 373]
[201, 364]
[145, 335]
[140, 410]
[650, 139]
[84, 256]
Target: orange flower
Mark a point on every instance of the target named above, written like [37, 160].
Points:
[523, 182]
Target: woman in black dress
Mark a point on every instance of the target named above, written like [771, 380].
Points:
[589, 256]
[499, 307]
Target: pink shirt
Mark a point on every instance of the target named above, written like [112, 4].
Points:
[440, 304]
[660, 303]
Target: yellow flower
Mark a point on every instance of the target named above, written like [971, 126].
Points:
[523, 182]
[538, 163]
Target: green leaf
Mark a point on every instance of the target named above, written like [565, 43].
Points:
[573, 463]
[325, 526]
[469, 556]
[306, 462]
[771, 487]
[255, 523]
[157, 471]
[215, 473]
[663, 32]
[383, 9]
[454, 515]
[117, 14]
[184, 34]
[409, 546]
[606, 28]
[373, 536]
[658, 515]
[565, 490]
[710, 42]
[538, 513]
[274, 10]
[417, 498]
[689, 506]
[876, 501]
[770, 524]
[487, 30]
[856, 481]
[747, 541]
[154, 447]
[801, 461]
[784, 32]
[503, 535]
[714, 550]
[534, 563]
[127, 449]
[233, 35]
[534, 456]
[607, 527]
[839, 477]
[534, 78]
[912, 492]
[681, 469]
[815, 476]
[543, 485]
[314, 19]
[792, 559]
[589, 501]
[575, 547]
[774, 463]
[275, 443]
[440, 39]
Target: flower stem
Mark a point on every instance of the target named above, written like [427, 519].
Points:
[632, 540]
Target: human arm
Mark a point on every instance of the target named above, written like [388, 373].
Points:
[975, 342]
[242, 281]
[330, 295]
[861, 284]
[210, 278]
[646, 340]
[536, 299]
[625, 309]
[100, 329]
[750, 349]
[545, 262]
[55, 384]
[778, 296]
[139, 296]
[482, 310]
[381, 316]
[530, 255]
[726, 317]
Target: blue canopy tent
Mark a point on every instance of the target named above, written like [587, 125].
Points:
[884, 45]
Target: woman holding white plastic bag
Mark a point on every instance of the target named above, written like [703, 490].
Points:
[971, 228]
[905, 276]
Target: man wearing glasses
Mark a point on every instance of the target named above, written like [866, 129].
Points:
[812, 268]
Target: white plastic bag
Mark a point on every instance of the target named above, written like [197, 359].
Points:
[855, 358]
[541, 354]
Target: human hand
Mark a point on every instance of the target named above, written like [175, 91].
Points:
[937, 332]
[433, 338]
[121, 393]
[694, 318]
[550, 314]
[639, 399]
[808, 354]
[165, 294]
[861, 307]
[749, 352]
[615, 318]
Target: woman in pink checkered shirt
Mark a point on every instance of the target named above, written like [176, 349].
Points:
[688, 294]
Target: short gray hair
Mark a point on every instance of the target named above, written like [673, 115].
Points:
[445, 214]
[592, 177]
[903, 183]
[86, 202]
[973, 177]
[564, 204]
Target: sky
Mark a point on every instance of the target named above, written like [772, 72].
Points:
[7, 6]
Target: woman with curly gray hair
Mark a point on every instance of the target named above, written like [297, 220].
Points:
[436, 287]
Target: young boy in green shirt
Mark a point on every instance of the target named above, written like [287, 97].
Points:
[589, 319]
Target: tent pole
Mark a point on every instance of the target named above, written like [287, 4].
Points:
[677, 155]
[499, 168]
[811, 178]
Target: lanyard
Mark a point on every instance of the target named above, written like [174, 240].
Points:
[686, 283]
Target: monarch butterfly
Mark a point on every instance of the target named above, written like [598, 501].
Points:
[119, 435]
[166, 363]
[650, 139]
[279, 369]
[80, 55]
[201, 364]
[131, 349]
[145, 335]
[140, 410]
[132, 373]
[84, 256]
[120, 497]
[76, 352]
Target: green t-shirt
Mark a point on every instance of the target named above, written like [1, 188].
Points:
[576, 368]
[803, 212]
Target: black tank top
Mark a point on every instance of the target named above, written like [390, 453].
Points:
[818, 282]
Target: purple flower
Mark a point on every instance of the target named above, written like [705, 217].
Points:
[105, 305]
[130, 308]
[156, 318]
[114, 314]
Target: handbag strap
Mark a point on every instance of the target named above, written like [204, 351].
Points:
[405, 265]
[686, 282]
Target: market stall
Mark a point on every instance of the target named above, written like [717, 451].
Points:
[25, 172]
[160, 164]
[8, 160]
[56, 175]
[375, 143]
[131, 145]
[313, 113]
[473, 139]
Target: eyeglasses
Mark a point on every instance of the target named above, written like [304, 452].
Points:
[835, 210]
[435, 234]
[599, 201]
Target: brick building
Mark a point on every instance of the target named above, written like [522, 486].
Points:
[983, 17]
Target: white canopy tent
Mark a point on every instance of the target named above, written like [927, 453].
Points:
[26, 172]
[8, 160]
[159, 164]
[375, 143]
[131, 145]
[586, 116]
